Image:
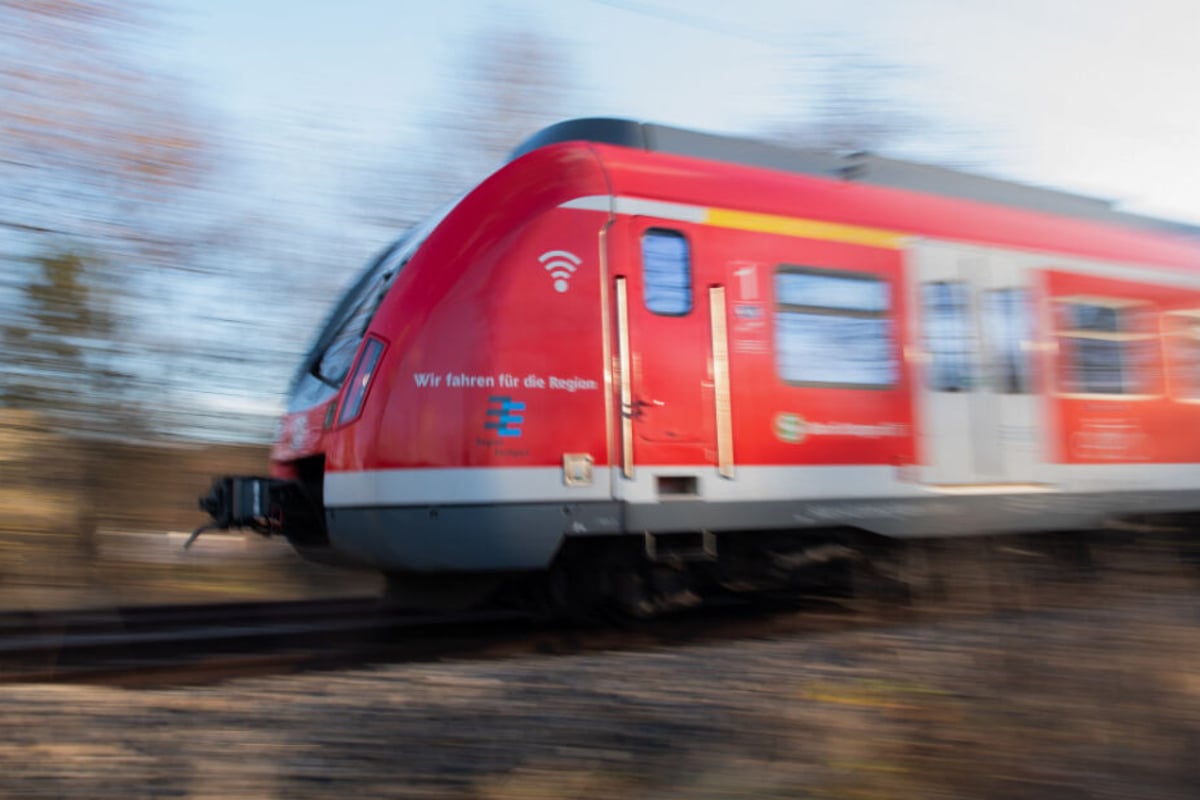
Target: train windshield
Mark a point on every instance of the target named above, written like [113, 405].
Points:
[327, 363]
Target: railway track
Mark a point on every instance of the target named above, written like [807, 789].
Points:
[187, 643]
[164, 645]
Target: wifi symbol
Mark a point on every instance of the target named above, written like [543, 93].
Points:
[561, 265]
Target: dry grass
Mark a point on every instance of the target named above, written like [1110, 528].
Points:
[101, 523]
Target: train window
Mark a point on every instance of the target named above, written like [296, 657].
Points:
[1182, 329]
[348, 328]
[833, 329]
[1106, 346]
[1008, 334]
[949, 336]
[335, 361]
[324, 367]
[666, 272]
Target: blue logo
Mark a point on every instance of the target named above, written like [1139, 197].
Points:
[508, 424]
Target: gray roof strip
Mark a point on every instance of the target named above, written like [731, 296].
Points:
[859, 167]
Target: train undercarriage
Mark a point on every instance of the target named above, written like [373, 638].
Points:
[637, 574]
[643, 574]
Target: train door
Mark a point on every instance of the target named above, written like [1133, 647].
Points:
[664, 313]
[979, 415]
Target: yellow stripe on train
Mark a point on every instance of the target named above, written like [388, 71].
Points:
[805, 228]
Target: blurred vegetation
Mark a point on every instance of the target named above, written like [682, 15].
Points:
[853, 106]
[59, 346]
[103, 167]
[94, 146]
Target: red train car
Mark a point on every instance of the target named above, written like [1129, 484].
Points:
[638, 356]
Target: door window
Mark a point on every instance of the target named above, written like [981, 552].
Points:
[666, 272]
[949, 336]
[1008, 333]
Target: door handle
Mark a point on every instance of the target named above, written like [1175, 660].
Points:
[634, 409]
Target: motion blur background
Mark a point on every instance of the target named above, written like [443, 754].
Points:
[186, 185]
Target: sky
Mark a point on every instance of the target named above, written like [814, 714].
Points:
[1096, 97]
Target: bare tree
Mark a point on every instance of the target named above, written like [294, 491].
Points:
[93, 145]
[62, 322]
[848, 102]
[512, 82]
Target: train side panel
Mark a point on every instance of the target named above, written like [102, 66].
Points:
[820, 401]
[1124, 370]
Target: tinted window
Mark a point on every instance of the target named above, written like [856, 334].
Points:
[325, 365]
[949, 337]
[833, 329]
[1106, 346]
[335, 361]
[1183, 344]
[1008, 332]
[666, 272]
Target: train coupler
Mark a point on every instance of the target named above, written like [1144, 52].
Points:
[244, 502]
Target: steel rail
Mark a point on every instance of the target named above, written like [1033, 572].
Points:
[108, 645]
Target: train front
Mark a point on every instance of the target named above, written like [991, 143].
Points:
[444, 426]
[327, 393]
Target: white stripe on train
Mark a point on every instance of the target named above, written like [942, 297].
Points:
[479, 485]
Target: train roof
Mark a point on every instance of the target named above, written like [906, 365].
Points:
[860, 167]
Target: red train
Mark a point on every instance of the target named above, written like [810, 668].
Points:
[645, 363]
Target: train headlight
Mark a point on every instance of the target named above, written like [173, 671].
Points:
[360, 381]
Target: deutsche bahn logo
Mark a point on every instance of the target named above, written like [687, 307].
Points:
[502, 417]
[790, 428]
